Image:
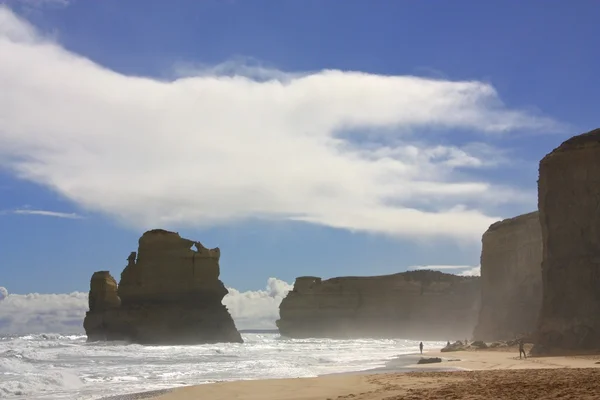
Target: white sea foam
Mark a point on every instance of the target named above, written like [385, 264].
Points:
[66, 367]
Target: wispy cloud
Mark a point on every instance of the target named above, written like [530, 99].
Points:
[224, 145]
[46, 213]
[461, 270]
[474, 271]
[440, 267]
[38, 3]
[247, 67]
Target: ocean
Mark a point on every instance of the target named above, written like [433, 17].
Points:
[52, 366]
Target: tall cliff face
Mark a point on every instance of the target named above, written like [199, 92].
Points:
[511, 278]
[169, 294]
[415, 304]
[569, 204]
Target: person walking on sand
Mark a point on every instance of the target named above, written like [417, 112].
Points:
[521, 349]
[421, 347]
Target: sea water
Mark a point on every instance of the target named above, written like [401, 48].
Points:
[66, 367]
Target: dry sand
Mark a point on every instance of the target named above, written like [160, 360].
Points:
[485, 375]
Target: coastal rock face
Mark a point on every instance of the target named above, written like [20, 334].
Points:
[169, 293]
[102, 297]
[569, 204]
[171, 269]
[511, 278]
[412, 305]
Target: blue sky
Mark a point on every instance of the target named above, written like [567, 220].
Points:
[291, 170]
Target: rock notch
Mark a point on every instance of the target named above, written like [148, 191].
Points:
[169, 293]
[511, 278]
[569, 204]
[411, 305]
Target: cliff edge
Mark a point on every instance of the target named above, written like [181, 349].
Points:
[169, 293]
[424, 305]
[511, 278]
[569, 204]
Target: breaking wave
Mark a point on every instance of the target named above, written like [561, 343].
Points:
[51, 366]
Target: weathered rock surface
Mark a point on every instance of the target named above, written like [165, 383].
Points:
[412, 305]
[511, 278]
[569, 204]
[456, 346]
[170, 294]
[102, 297]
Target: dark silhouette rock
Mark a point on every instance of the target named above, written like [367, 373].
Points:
[430, 360]
[169, 294]
[479, 344]
[569, 204]
[456, 346]
[511, 278]
[417, 305]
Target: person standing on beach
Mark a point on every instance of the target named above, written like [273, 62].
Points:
[421, 347]
[521, 349]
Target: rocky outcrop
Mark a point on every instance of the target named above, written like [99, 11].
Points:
[456, 346]
[569, 204]
[103, 297]
[411, 305]
[511, 278]
[169, 293]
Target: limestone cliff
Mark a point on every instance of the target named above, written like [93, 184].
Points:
[102, 297]
[169, 293]
[511, 278]
[569, 204]
[414, 304]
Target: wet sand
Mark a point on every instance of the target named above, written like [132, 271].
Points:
[494, 374]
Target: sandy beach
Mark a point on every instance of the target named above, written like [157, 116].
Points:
[487, 374]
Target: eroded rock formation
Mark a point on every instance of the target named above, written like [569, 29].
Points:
[102, 297]
[415, 304]
[169, 293]
[569, 204]
[511, 278]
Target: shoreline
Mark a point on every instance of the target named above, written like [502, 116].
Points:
[405, 363]
[399, 364]
[151, 394]
[402, 376]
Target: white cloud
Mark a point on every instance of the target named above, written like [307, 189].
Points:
[461, 270]
[46, 213]
[257, 309]
[247, 67]
[475, 271]
[64, 313]
[439, 267]
[43, 313]
[215, 148]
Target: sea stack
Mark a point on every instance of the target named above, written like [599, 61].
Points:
[569, 204]
[511, 278]
[169, 293]
[424, 305]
